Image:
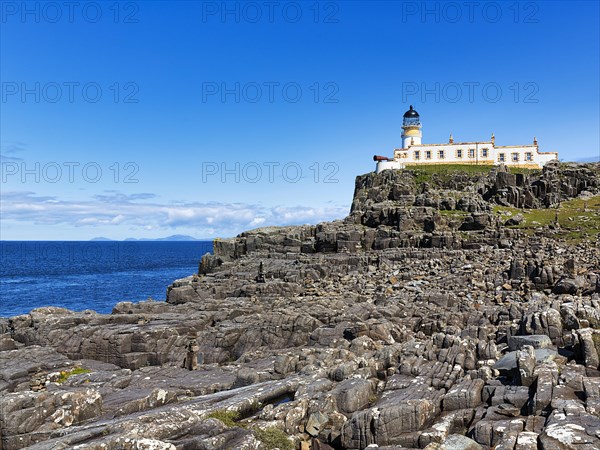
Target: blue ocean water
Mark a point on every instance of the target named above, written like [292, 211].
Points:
[90, 275]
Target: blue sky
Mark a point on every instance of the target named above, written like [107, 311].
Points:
[147, 119]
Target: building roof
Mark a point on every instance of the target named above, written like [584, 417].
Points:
[411, 113]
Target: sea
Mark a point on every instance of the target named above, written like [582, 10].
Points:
[91, 275]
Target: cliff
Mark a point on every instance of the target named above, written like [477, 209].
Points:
[449, 310]
[439, 208]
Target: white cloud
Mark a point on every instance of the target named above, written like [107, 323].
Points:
[257, 221]
[11, 148]
[143, 212]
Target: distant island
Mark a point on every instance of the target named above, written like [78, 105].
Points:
[172, 238]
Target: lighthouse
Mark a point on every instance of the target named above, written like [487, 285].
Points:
[411, 128]
[484, 153]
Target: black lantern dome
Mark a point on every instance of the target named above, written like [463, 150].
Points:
[411, 113]
[411, 118]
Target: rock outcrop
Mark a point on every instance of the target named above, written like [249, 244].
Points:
[429, 318]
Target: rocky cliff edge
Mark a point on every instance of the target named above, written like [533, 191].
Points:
[449, 310]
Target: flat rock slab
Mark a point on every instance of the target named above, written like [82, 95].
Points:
[509, 361]
[535, 340]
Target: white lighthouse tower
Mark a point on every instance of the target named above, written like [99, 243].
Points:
[411, 128]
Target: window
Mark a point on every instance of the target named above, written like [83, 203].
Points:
[515, 157]
[417, 155]
[528, 156]
[441, 154]
[428, 154]
[484, 153]
[459, 153]
[501, 157]
[471, 153]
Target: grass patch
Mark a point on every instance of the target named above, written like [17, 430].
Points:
[273, 438]
[439, 168]
[229, 418]
[427, 173]
[65, 374]
[270, 437]
[578, 219]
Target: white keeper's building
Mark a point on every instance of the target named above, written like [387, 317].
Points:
[414, 152]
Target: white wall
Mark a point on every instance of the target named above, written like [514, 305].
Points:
[451, 154]
[388, 165]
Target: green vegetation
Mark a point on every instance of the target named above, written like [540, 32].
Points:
[440, 168]
[65, 374]
[444, 172]
[273, 438]
[229, 418]
[578, 219]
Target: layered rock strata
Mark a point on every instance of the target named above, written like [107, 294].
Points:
[428, 319]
